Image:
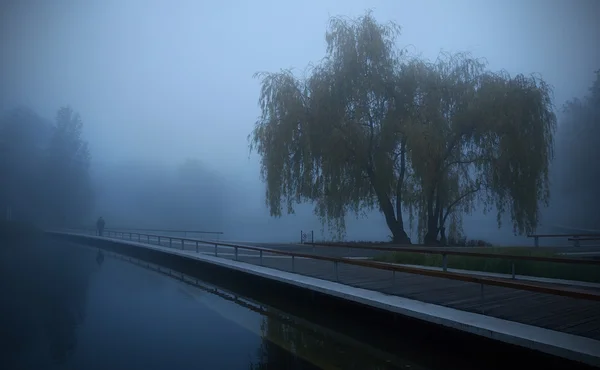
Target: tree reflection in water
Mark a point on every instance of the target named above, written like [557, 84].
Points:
[288, 345]
[44, 287]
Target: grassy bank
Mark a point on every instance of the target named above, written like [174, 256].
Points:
[590, 273]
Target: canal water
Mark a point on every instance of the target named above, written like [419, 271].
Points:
[66, 307]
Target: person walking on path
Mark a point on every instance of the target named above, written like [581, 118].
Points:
[100, 226]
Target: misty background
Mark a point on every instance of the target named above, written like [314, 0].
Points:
[167, 99]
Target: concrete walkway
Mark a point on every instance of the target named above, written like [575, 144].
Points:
[556, 343]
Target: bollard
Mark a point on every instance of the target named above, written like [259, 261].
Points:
[393, 277]
[445, 262]
[512, 265]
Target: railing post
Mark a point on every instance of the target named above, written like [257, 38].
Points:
[236, 253]
[139, 237]
[293, 265]
[482, 299]
[182, 247]
[159, 240]
[512, 265]
[196, 246]
[170, 242]
[536, 241]
[335, 268]
[301, 237]
[393, 277]
[129, 236]
[445, 262]
[261, 261]
[312, 237]
[576, 241]
[216, 250]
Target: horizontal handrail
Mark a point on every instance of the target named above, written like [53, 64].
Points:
[506, 283]
[514, 257]
[170, 230]
[560, 235]
[120, 229]
[466, 254]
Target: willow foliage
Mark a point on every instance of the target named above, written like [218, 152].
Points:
[367, 128]
[333, 138]
[480, 138]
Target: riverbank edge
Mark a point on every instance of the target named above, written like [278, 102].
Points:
[462, 333]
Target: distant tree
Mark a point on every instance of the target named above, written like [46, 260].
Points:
[44, 167]
[67, 170]
[23, 138]
[479, 138]
[577, 171]
[198, 196]
[336, 137]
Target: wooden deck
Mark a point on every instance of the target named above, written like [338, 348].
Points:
[574, 316]
[579, 317]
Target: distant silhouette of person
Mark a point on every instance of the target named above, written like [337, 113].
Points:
[100, 226]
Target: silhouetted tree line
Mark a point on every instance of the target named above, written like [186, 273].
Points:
[577, 170]
[44, 168]
[152, 195]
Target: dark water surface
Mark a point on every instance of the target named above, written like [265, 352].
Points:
[62, 309]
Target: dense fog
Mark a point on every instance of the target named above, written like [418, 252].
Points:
[140, 111]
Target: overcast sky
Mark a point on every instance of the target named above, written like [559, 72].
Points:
[168, 79]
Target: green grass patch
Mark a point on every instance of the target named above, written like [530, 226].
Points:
[589, 273]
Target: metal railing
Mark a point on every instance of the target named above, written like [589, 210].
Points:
[126, 230]
[442, 252]
[575, 237]
[445, 253]
[499, 282]
[185, 232]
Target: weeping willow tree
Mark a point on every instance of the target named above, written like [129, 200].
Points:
[479, 138]
[336, 137]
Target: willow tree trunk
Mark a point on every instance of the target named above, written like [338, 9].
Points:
[432, 219]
